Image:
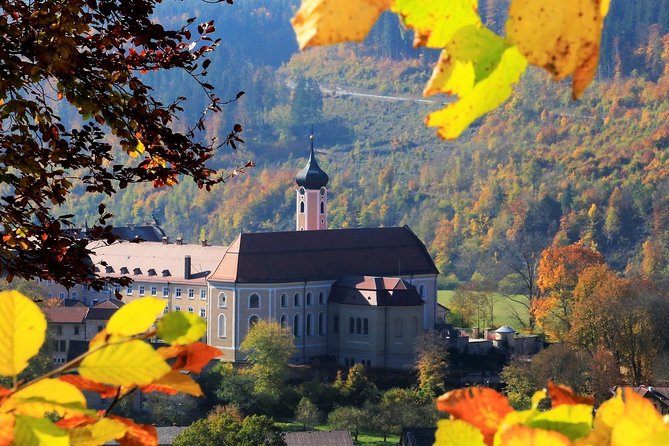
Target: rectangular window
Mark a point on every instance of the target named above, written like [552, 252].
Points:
[177, 293]
[203, 294]
[191, 293]
[105, 288]
[74, 294]
[203, 312]
[154, 290]
[190, 309]
[166, 292]
[128, 290]
[63, 346]
[76, 329]
[61, 295]
[177, 308]
[59, 329]
[48, 282]
[141, 290]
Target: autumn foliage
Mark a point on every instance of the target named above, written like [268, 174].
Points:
[481, 416]
[118, 362]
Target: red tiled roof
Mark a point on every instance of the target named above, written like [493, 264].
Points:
[375, 291]
[66, 315]
[321, 255]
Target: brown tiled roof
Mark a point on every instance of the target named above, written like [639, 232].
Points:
[375, 291]
[109, 303]
[150, 257]
[315, 438]
[66, 315]
[325, 254]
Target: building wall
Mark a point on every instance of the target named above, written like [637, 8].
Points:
[62, 335]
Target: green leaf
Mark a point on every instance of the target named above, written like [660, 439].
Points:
[22, 331]
[573, 421]
[29, 431]
[131, 362]
[181, 328]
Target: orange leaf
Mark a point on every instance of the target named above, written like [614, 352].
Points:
[6, 429]
[519, 435]
[76, 421]
[174, 382]
[82, 383]
[483, 408]
[561, 394]
[138, 434]
[191, 357]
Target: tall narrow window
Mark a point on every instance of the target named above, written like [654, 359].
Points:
[284, 320]
[254, 301]
[321, 298]
[222, 300]
[284, 300]
[335, 327]
[301, 207]
[296, 300]
[310, 324]
[322, 207]
[358, 326]
[252, 321]
[221, 325]
[297, 329]
[365, 326]
[310, 299]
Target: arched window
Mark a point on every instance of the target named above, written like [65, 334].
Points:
[414, 326]
[398, 327]
[321, 298]
[222, 300]
[310, 299]
[322, 207]
[321, 324]
[296, 300]
[284, 300]
[310, 324]
[351, 325]
[284, 320]
[301, 207]
[358, 326]
[421, 291]
[365, 326]
[297, 328]
[252, 321]
[221, 326]
[335, 328]
[254, 301]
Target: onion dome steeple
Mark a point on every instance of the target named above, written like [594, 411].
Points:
[312, 176]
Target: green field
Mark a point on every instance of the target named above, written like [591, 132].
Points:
[363, 439]
[503, 309]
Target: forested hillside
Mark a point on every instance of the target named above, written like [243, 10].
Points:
[541, 169]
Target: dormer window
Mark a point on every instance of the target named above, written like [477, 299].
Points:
[166, 273]
[109, 269]
[152, 272]
[137, 271]
[124, 270]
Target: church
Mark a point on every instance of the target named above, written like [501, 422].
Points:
[347, 295]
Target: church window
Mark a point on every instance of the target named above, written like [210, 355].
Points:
[301, 207]
[322, 207]
[284, 300]
[254, 301]
[222, 300]
[365, 326]
[252, 321]
[310, 324]
[398, 327]
[297, 329]
[335, 328]
[296, 300]
[284, 320]
[221, 325]
[321, 298]
[358, 326]
[310, 299]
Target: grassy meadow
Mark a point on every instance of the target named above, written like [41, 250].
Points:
[363, 438]
[503, 308]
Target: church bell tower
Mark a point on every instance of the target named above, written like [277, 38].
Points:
[312, 195]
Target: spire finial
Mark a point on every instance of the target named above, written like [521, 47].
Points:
[311, 138]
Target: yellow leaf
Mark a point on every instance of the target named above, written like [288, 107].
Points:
[135, 317]
[436, 21]
[174, 382]
[97, 433]
[563, 37]
[324, 22]
[30, 431]
[180, 328]
[638, 423]
[131, 362]
[22, 329]
[457, 433]
[526, 436]
[482, 84]
[47, 395]
[538, 397]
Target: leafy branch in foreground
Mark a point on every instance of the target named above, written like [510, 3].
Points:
[476, 64]
[118, 362]
[484, 417]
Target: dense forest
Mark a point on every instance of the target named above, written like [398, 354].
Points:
[540, 170]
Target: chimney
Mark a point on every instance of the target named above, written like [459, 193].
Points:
[165, 240]
[203, 242]
[186, 267]
[180, 240]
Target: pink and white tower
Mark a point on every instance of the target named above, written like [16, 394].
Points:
[312, 195]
